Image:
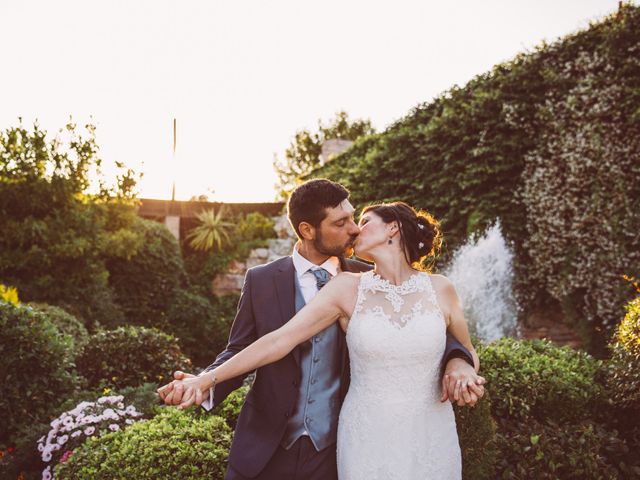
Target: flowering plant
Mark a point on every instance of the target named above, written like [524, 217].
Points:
[69, 430]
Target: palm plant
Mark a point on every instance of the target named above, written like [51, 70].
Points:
[213, 230]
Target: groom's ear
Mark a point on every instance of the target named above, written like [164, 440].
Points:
[307, 231]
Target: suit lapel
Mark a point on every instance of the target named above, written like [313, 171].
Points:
[285, 290]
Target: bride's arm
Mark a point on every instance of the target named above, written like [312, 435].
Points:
[457, 323]
[326, 307]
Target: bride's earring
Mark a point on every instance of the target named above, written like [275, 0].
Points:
[390, 242]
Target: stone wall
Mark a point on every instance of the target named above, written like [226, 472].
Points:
[231, 281]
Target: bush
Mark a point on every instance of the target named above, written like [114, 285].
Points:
[174, 444]
[628, 332]
[145, 284]
[477, 435]
[198, 325]
[549, 450]
[540, 380]
[66, 323]
[254, 226]
[202, 324]
[88, 419]
[36, 371]
[620, 377]
[230, 408]
[130, 356]
[551, 412]
[26, 457]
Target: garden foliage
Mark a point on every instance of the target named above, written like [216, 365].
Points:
[547, 142]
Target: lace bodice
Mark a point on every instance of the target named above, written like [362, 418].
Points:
[392, 424]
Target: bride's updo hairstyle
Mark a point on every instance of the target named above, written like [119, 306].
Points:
[420, 234]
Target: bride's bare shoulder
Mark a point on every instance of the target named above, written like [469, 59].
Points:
[444, 287]
[440, 281]
[347, 279]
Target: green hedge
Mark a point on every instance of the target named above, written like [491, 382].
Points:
[36, 371]
[67, 324]
[130, 356]
[174, 444]
[553, 418]
[477, 436]
[550, 450]
[538, 379]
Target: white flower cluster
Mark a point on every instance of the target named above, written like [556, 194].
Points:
[86, 419]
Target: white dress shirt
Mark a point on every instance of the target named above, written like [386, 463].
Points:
[308, 287]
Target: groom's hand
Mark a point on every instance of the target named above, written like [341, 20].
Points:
[461, 383]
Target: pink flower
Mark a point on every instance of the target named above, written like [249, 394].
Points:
[66, 456]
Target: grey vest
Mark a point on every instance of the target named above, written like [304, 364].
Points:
[318, 405]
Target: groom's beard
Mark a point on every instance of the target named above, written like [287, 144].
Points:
[334, 250]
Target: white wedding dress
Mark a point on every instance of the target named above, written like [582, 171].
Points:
[392, 424]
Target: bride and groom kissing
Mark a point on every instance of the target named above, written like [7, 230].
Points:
[354, 365]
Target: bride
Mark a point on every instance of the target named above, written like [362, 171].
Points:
[392, 424]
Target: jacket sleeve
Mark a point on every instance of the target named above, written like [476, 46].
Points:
[243, 334]
[454, 349]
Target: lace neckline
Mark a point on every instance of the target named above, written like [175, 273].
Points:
[410, 285]
[417, 282]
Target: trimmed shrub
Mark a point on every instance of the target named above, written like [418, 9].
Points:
[477, 435]
[130, 356]
[36, 368]
[66, 323]
[230, 408]
[534, 378]
[174, 444]
[549, 450]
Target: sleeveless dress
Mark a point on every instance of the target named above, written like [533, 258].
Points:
[392, 424]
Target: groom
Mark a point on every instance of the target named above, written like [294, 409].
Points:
[288, 423]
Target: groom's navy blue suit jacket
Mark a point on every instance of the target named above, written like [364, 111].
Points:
[267, 301]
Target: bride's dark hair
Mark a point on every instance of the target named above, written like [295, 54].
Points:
[420, 234]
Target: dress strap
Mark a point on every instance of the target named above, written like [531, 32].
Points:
[363, 285]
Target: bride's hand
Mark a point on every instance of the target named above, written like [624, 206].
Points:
[461, 383]
[171, 393]
[196, 390]
[187, 392]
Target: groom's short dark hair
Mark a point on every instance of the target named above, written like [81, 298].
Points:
[308, 202]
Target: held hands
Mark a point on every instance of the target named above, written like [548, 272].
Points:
[185, 391]
[461, 383]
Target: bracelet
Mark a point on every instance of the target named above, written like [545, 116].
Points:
[212, 377]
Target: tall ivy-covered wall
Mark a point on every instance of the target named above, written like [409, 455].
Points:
[548, 142]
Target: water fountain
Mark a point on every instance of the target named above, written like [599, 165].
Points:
[482, 273]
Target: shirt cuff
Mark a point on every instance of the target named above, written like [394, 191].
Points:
[207, 404]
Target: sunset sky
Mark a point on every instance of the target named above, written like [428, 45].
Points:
[242, 76]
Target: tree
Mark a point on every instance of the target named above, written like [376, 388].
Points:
[60, 219]
[303, 154]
